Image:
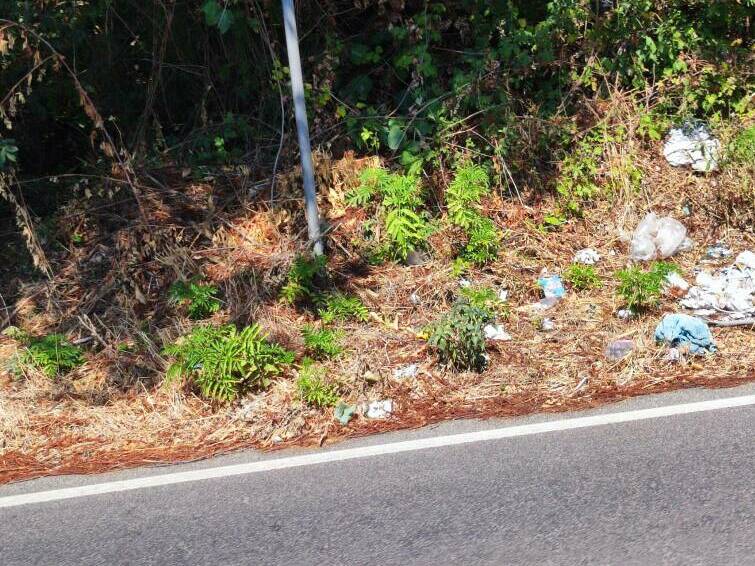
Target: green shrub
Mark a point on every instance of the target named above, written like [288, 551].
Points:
[741, 150]
[406, 225]
[582, 277]
[301, 279]
[222, 362]
[642, 289]
[463, 200]
[313, 389]
[322, 342]
[53, 355]
[340, 307]
[459, 339]
[200, 300]
[485, 299]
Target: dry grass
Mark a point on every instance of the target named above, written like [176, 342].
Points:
[113, 412]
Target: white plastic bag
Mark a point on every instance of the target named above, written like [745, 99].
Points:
[658, 238]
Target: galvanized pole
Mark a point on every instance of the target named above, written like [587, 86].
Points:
[300, 109]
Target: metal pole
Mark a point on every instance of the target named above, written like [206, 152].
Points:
[297, 88]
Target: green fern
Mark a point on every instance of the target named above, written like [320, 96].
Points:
[371, 181]
[340, 307]
[301, 278]
[323, 342]
[463, 196]
[313, 389]
[53, 355]
[200, 300]
[221, 362]
[483, 243]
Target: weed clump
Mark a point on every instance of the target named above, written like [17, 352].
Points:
[301, 279]
[53, 355]
[200, 300]
[641, 290]
[459, 339]
[222, 362]
[323, 342]
[313, 388]
[340, 307]
[582, 277]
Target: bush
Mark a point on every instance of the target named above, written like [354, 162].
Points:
[642, 289]
[323, 342]
[200, 300]
[53, 355]
[459, 338]
[313, 389]
[222, 362]
[582, 277]
[340, 307]
[301, 279]
[486, 300]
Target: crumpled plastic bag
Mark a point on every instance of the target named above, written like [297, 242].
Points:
[683, 330]
[658, 238]
[692, 145]
[552, 286]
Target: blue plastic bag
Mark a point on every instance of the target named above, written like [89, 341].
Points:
[685, 330]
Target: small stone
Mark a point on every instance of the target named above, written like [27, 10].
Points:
[625, 314]
[415, 258]
[414, 298]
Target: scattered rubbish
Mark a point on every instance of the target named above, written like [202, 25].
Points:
[588, 256]
[693, 145]
[687, 209]
[582, 383]
[343, 412]
[683, 330]
[676, 281]
[414, 298]
[673, 355]
[718, 251]
[407, 371]
[619, 349]
[746, 259]
[464, 283]
[379, 409]
[545, 304]
[624, 314]
[658, 238]
[727, 296]
[552, 286]
[547, 325]
[496, 332]
[503, 295]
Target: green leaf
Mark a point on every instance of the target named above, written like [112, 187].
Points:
[225, 20]
[212, 12]
[395, 136]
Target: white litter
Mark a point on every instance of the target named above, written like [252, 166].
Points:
[692, 145]
[676, 281]
[588, 256]
[464, 283]
[624, 314]
[414, 298]
[406, 371]
[547, 325]
[379, 409]
[503, 295]
[658, 238]
[496, 332]
[725, 295]
[718, 251]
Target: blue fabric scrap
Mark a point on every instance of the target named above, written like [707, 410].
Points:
[686, 330]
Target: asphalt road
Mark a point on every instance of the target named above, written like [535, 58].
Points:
[670, 490]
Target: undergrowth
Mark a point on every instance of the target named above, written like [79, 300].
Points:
[53, 354]
[301, 278]
[200, 300]
[313, 388]
[458, 337]
[641, 290]
[342, 308]
[582, 277]
[322, 342]
[223, 362]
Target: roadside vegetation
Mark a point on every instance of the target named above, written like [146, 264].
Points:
[159, 299]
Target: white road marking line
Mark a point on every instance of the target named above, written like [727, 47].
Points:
[376, 450]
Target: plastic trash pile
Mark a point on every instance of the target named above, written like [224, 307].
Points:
[658, 238]
[727, 295]
[406, 371]
[496, 332]
[685, 332]
[588, 256]
[692, 145]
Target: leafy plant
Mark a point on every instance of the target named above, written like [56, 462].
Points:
[463, 200]
[53, 355]
[200, 300]
[582, 277]
[313, 389]
[484, 299]
[406, 225]
[301, 278]
[8, 153]
[340, 307]
[642, 289]
[742, 147]
[221, 361]
[459, 338]
[322, 342]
